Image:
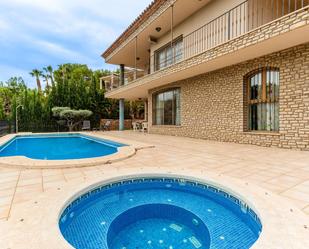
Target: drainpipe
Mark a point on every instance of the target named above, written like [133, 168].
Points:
[135, 59]
[121, 101]
[172, 33]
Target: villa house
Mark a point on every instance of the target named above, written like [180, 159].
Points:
[225, 70]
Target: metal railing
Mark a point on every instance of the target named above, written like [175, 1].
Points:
[243, 18]
[113, 81]
[236, 22]
[4, 127]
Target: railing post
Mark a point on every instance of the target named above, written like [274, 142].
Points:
[112, 82]
[229, 26]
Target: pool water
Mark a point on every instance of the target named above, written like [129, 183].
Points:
[154, 233]
[58, 147]
[167, 213]
[158, 226]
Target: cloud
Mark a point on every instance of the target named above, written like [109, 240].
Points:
[3, 26]
[36, 33]
[52, 48]
[6, 72]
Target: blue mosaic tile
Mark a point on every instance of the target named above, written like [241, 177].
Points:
[72, 212]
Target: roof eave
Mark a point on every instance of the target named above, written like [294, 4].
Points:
[152, 7]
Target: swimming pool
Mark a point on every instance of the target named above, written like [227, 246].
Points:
[167, 213]
[58, 146]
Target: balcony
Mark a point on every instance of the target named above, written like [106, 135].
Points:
[112, 81]
[235, 23]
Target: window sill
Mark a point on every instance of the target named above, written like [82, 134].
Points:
[262, 133]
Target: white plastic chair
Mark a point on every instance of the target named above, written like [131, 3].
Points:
[144, 126]
[134, 126]
[86, 125]
[107, 126]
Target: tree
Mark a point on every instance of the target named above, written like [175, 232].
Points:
[2, 110]
[75, 86]
[136, 109]
[37, 74]
[49, 70]
[72, 117]
[8, 90]
[57, 110]
[45, 76]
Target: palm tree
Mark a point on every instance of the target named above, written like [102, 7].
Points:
[37, 74]
[46, 77]
[50, 71]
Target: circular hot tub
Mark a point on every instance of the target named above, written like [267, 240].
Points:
[153, 225]
[167, 213]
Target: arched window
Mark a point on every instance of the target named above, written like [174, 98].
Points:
[166, 107]
[263, 100]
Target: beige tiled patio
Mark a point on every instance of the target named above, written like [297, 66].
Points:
[284, 172]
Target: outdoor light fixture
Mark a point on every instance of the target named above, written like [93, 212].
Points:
[152, 40]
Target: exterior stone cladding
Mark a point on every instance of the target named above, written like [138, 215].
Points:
[273, 29]
[212, 104]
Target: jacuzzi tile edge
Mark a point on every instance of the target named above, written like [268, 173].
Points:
[263, 205]
[272, 209]
[243, 205]
[191, 180]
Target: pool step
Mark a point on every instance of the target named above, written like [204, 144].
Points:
[176, 227]
[195, 242]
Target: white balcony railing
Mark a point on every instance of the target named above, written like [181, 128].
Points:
[236, 22]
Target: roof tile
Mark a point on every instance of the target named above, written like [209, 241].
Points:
[153, 7]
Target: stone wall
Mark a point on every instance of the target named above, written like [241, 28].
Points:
[114, 124]
[270, 30]
[212, 104]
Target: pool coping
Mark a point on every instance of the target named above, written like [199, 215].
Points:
[23, 162]
[283, 224]
[67, 209]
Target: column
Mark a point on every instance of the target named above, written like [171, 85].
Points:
[101, 84]
[146, 110]
[121, 114]
[121, 101]
[121, 79]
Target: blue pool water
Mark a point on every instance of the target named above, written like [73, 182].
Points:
[159, 213]
[58, 147]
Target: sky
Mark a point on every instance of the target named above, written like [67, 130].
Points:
[38, 33]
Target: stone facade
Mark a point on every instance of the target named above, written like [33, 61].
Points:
[212, 104]
[270, 30]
